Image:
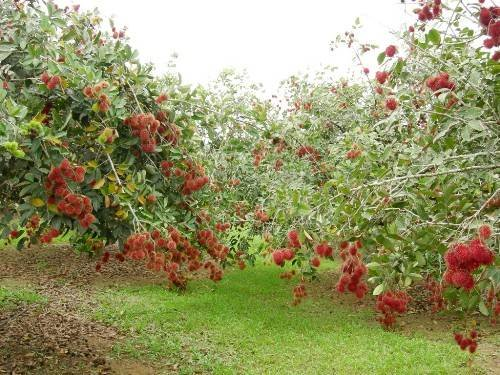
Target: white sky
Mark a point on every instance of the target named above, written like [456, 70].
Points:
[270, 39]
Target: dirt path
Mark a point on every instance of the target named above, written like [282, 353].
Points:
[55, 337]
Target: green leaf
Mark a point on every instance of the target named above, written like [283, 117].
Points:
[483, 309]
[378, 289]
[381, 57]
[434, 36]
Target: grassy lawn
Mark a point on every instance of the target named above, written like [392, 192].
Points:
[10, 296]
[245, 324]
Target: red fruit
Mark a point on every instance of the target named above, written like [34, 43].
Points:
[366, 70]
[488, 43]
[391, 104]
[278, 257]
[105, 257]
[151, 198]
[390, 50]
[473, 347]
[315, 262]
[161, 98]
[288, 254]
[44, 77]
[485, 16]
[119, 257]
[484, 231]
[14, 234]
[53, 82]
[411, 29]
[381, 77]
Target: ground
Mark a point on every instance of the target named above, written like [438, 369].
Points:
[58, 316]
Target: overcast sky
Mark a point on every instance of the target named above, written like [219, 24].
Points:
[271, 39]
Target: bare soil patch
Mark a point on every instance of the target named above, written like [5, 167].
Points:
[55, 337]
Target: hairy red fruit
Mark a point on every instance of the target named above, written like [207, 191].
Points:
[53, 82]
[315, 262]
[293, 239]
[14, 234]
[391, 104]
[161, 98]
[381, 77]
[484, 232]
[105, 257]
[278, 257]
[391, 50]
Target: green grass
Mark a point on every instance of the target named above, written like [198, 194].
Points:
[11, 296]
[245, 324]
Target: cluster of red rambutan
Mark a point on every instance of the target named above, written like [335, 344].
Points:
[439, 82]
[467, 342]
[73, 205]
[194, 177]
[323, 250]
[309, 151]
[32, 224]
[429, 11]
[164, 252]
[282, 255]
[78, 207]
[50, 81]
[299, 292]
[48, 236]
[222, 227]
[389, 304]
[352, 269]
[145, 127]
[166, 168]
[261, 215]
[95, 92]
[488, 17]
[216, 249]
[436, 298]
[463, 259]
